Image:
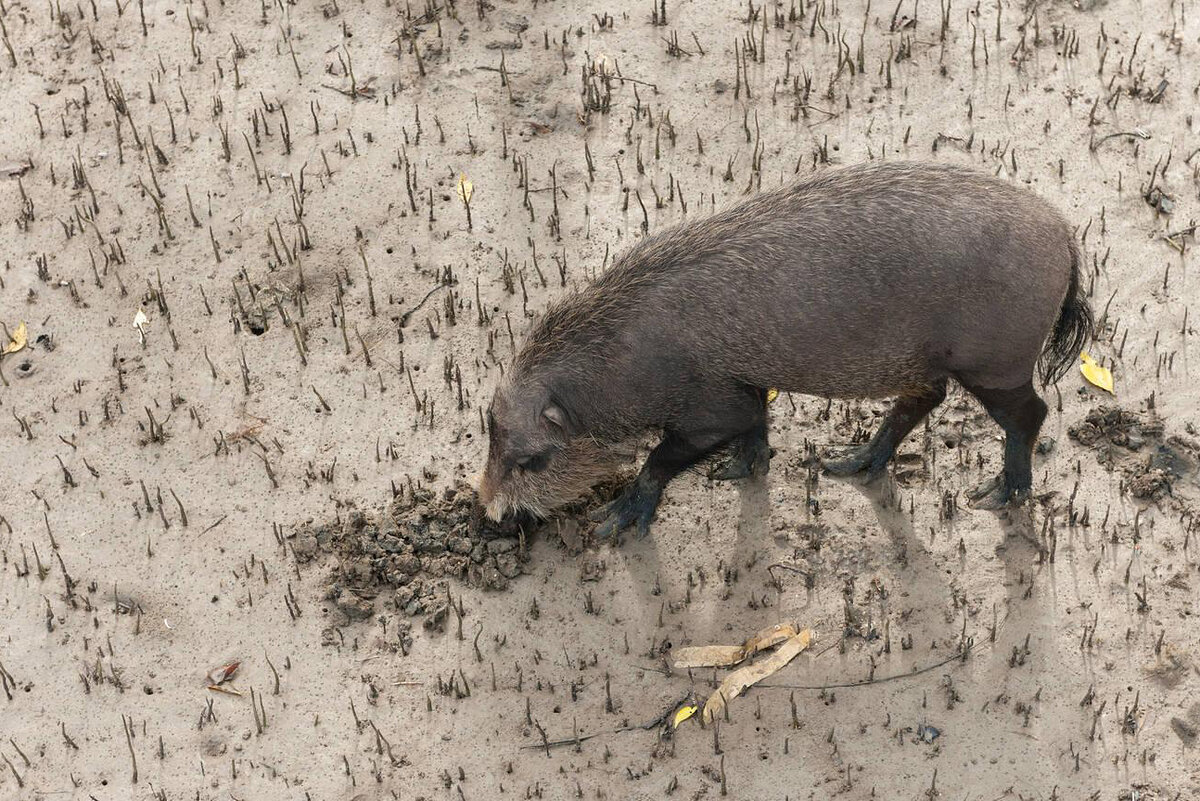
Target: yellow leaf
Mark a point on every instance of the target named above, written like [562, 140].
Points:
[772, 394]
[19, 338]
[464, 189]
[1095, 374]
[685, 712]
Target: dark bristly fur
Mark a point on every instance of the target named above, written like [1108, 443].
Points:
[873, 281]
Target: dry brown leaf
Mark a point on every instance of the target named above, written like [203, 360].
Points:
[739, 680]
[223, 674]
[708, 656]
[725, 655]
[10, 168]
[770, 637]
[227, 690]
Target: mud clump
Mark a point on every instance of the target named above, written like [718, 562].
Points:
[404, 554]
[1150, 483]
[1109, 427]
[1134, 443]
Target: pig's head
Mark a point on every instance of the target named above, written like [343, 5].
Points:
[537, 458]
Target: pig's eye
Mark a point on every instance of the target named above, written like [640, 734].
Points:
[535, 463]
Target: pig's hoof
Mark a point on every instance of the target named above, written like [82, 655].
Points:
[855, 462]
[635, 506]
[995, 495]
[745, 463]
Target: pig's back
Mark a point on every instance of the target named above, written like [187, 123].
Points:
[865, 281]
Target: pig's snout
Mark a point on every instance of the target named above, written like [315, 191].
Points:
[485, 491]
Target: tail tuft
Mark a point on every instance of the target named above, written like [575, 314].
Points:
[1072, 331]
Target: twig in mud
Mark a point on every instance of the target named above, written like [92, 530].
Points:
[1175, 238]
[958, 656]
[127, 724]
[220, 520]
[653, 724]
[548, 744]
[275, 673]
[808, 576]
[404, 317]
[366, 90]
[497, 69]
[1136, 133]
[633, 80]
[20, 781]
[829, 115]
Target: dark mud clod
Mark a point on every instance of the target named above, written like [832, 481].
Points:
[403, 557]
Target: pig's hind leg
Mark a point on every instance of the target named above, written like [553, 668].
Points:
[1020, 412]
[873, 457]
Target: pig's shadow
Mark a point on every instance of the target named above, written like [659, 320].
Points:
[925, 582]
[645, 559]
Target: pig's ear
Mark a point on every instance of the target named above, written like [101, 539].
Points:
[556, 416]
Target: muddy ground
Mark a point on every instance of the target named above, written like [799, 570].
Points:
[275, 189]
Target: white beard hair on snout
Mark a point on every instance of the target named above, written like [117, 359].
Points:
[501, 505]
[497, 508]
